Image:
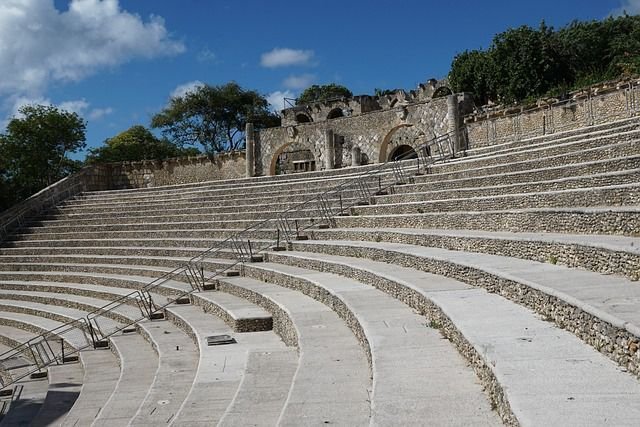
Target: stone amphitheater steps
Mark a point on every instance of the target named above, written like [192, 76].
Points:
[325, 344]
[600, 253]
[628, 140]
[258, 195]
[391, 332]
[65, 383]
[614, 195]
[178, 363]
[594, 220]
[534, 174]
[264, 389]
[29, 396]
[138, 366]
[221, 369]
[599, 129]
[602, 310]
[239, 314]
[571, 183]
[101, 374]
[534, 162]
[535, 366]
[63, 281]
[115, 236]
[61, 244]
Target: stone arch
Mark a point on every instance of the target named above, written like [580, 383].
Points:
[382, 157]
[274, 158]
[335, 113]
[441, 92]
[404, 151]
[303, 118]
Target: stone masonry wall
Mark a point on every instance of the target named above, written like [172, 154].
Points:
[611, 101]
[154, 173]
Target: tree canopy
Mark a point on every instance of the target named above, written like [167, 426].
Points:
[214, 117]
[137, 143]
[525, 63]
[34, 150]
[318, 93]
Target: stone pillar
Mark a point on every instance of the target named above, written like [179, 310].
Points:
[250, 150]
[328, 149]
[454, 122]
[356, 156]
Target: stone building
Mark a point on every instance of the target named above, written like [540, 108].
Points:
[363, 129]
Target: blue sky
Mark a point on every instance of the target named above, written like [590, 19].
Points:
[117, 63]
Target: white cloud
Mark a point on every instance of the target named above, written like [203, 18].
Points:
[632, 7]
[98, 113]
[282, 57]
[40, 45]
[276, 99]
[302, 81]
[78, 106]
[185, 88]
[205, 55]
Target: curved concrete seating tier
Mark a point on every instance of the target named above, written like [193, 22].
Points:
[536, 365]
[498, 286]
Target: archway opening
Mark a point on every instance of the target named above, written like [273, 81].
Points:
[291, 158]
[441, 92]
[303, 118]
[335, 113]
[404, 152]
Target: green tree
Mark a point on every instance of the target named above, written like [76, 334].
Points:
[472, 71]
[136, 143]
[528, 63]
[318, 93]
[214, 117]
[35, 146]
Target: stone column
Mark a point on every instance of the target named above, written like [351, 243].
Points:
[250, 150]
[356, 156]
[454, 122]
[328, 149]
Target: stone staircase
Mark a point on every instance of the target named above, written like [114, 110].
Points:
[500, 288]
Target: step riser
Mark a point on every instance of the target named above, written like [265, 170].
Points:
[282, 323]
[619, 223]
[77, 277]
[572, 157]
[527, 187]
[238, 325]
[592, 197]
[548, 151]
[566, 171]
[596, 259]
[260, 196]
[177, 234]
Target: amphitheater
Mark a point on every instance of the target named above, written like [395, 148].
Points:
[493, 284]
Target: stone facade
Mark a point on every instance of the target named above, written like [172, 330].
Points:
[375, 133]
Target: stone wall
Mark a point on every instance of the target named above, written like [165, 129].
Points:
[609, 101]
[372, 132]
[154, 173]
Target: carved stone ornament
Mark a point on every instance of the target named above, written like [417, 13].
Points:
[291, 131]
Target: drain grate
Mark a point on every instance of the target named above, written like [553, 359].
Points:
[220, 340]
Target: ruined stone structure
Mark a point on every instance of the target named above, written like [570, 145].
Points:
[327, 134]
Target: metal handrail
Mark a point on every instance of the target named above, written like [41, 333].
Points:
[194, 272]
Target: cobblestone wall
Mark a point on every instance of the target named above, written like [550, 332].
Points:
[155, 173]
[611, 101]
